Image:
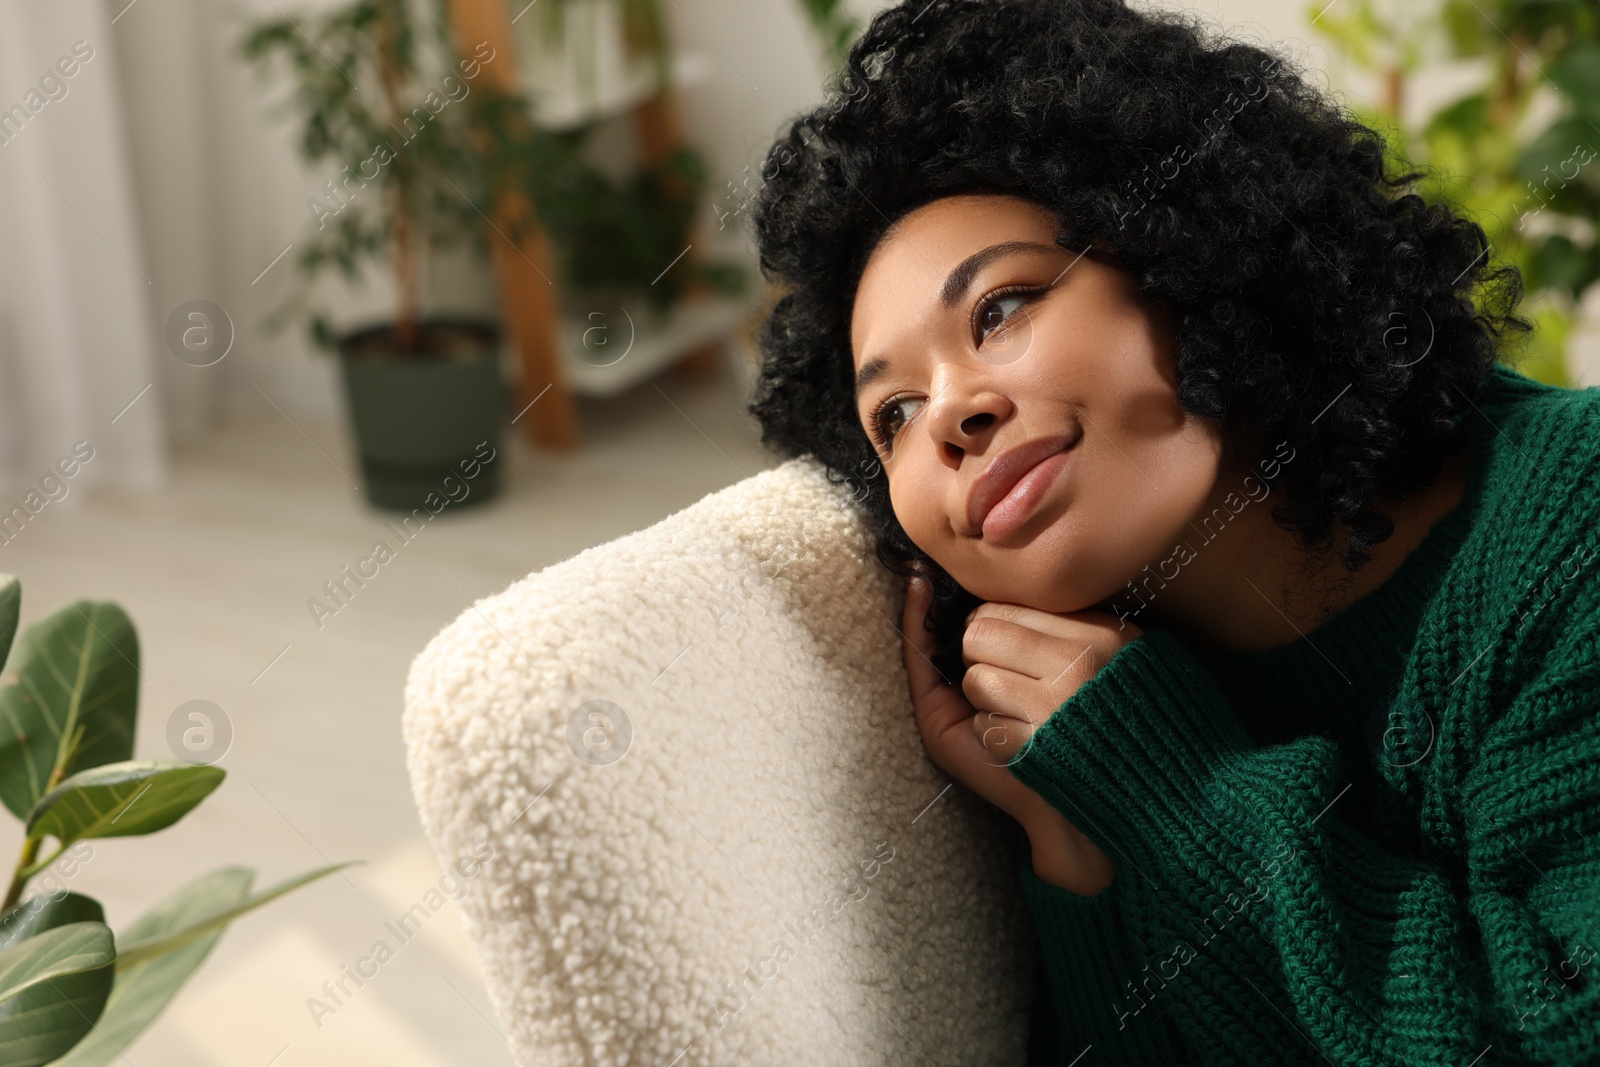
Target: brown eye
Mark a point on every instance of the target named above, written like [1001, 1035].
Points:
[995, 314]
[886, 425]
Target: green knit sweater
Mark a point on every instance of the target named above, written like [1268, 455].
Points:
[1379, 844]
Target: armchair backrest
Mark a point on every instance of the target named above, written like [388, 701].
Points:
[701, 827]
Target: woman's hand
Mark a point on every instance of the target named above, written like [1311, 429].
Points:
[1023, 664]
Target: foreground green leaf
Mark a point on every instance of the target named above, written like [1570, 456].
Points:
[77, 667]
[143, 990]
[10, 609]
[52, 989]
[122, 799]
[46, 912]
[136, 952]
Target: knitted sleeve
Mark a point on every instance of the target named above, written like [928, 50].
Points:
[1086, 959]
[1265, 927]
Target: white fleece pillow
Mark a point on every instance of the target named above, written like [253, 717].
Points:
[713, 834]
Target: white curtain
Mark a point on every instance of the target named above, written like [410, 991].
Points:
[86, 275]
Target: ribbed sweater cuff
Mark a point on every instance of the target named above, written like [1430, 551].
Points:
[1089, 966]
[1128, 758]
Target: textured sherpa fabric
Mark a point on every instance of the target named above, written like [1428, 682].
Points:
[772, 872]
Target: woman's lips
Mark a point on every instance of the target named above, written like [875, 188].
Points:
[1006, 471]
[1013, 509]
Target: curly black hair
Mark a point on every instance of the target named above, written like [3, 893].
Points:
[1232, 189]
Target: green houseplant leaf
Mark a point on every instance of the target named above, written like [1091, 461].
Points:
[10, 608]
[1577, 74]
[76, 668]
[52, 989]
[46, 912]
[67, 710]
[121, 800]
[143, 990]
[134, 953]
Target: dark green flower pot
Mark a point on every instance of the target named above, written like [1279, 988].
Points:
[427, 424]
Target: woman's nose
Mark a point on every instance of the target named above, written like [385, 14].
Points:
[965, 412]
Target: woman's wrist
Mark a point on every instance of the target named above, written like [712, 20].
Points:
[1064, 857]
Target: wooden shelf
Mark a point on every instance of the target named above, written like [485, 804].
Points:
[596, 366]
[562, 108]
[550, 338]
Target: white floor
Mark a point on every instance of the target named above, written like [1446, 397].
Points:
[216, 571]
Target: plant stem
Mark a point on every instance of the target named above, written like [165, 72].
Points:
[19, 880]
[405, 251]
[1504, 102]
[30, 848]
[1394, 93]
[39, 865]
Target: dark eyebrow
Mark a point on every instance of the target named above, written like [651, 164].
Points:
[950, 293]
[871, 371]
[955, 286]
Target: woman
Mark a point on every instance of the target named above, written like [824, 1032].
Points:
[1262, 596]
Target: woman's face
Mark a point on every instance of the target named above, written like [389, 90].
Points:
[955, 370]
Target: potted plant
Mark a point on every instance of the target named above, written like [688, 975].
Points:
[72, 993]
[1521, 166]
[384, 99]
[610, 236]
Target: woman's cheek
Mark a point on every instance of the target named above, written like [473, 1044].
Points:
[924, 535]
